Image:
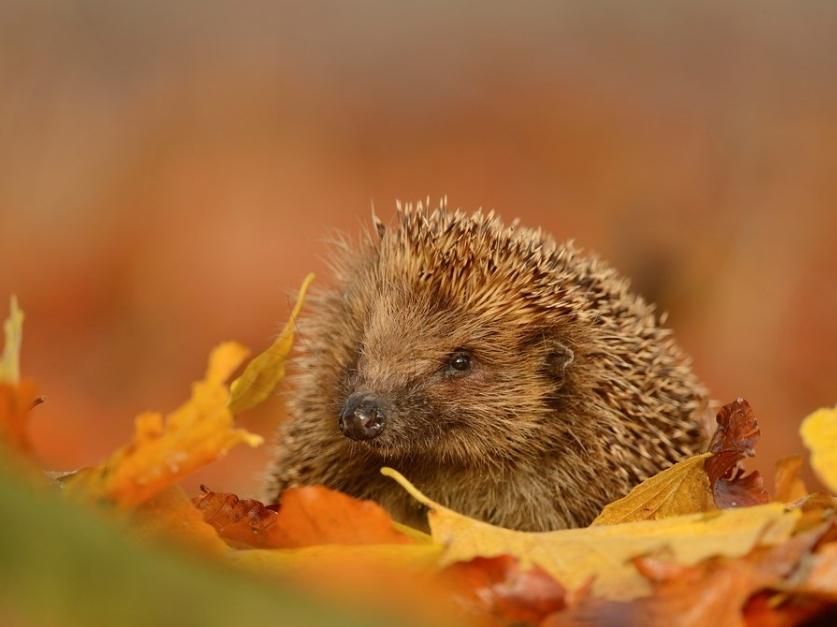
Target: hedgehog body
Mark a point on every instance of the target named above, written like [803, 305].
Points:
[510, 378]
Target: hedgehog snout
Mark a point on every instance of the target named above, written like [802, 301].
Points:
[362, 417]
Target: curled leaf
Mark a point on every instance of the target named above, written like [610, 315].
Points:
[264, 372]
[735, 439]
[819, 433]
[164, 450]
[306, 516]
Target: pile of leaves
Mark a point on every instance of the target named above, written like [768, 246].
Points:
[701, 543]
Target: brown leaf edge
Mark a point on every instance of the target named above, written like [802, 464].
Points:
[735, 438]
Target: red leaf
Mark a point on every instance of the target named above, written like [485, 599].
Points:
[735, 439]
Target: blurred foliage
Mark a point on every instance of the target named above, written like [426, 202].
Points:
[61, 565]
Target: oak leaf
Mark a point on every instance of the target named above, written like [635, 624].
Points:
[819, 433]
[572, 556]
[306, 516]
[165, 450]
[264, 372]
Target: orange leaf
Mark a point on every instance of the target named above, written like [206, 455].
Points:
[171, 514]
[499, 587]
[306, 516]
[162, 451]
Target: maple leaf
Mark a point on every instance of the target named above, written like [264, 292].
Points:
[264, 372]
[572, 556]
[734, 439]
[305, 516]
[819, 433]
[163, 451]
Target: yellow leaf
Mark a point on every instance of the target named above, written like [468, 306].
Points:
[264, 372]
[13, 330]
[574, 556]
[819, 432]
[682, 489]
[163, 451]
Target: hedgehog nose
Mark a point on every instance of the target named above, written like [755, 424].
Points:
[362, 417]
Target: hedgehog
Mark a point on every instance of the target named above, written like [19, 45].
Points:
[510, 378]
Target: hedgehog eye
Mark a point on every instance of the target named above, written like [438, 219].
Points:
[459, 362]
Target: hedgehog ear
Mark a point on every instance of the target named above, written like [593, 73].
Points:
[558, 359]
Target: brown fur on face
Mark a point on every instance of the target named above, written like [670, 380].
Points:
[573, 395]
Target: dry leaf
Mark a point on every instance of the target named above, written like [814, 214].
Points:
[261, 376]
[500, 588]
[306, 516]
[711, 593]
[163, 451]
[735, 439]
[819, 433]
[681, 489]
[572, 556]
[789, 486]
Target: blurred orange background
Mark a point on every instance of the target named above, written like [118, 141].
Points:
[169, 173]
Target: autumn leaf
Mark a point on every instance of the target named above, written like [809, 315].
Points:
[170, 514]
[261, 376]
[734, 439]
[712, 592]
[573, 556]
[165, 450]
[306, 516]
[502, 589]
[699, 483]
[819, 433]
[788, 485]
[681, 489]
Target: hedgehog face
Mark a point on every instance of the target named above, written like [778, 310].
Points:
[424, 376]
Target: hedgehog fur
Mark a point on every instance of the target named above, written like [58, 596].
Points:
[572, 392]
